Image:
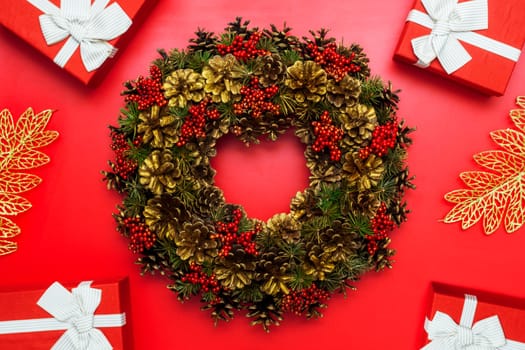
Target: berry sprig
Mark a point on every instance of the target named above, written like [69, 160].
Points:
[228, 234]
[335, 64]
[123, 165]
[140, 236]
[381, 224]
[327, 136]
[243, 49]
[299, 301]
[207, 283]
[383, 139]
[195, 121]
[256, 100]
[146, 91]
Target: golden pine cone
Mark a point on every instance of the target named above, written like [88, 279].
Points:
[160, 172]
[285, 226]
[363, 173]
[321, 170]
[183, 86]
[318, 263]
[381, 257]
[194, 242]
[209, 198]
[344, 92]
[307, 80]
[164, 215]
[235, 274]
[273, 271]
[304, 205]
[358, 122]
[366, 202]
[158, 130]
[223, 78]
[270, 69]
[339, 241]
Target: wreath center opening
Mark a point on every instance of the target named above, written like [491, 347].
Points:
[264, 177]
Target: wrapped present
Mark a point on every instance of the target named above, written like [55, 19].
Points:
[474, 42]
[474, 320]
[78, 35]
[88, 316]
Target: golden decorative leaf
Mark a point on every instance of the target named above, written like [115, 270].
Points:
[479, 180]
[7, 131]
[18, 182]
[518, 117]
[30, 123]
[12, 204]
[18, 151]
[510, 140]
[8, 229]
[7, 247]
[497, 196]
[501, 162]
[41, 139]
[28, 159]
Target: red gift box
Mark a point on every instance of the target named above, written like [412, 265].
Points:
[22, 18]
[22, 305]
[486, 72]
[451, 300]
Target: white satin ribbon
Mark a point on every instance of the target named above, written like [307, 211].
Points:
[451, 22]
[486, 334]
[73, 312]
[85, 25]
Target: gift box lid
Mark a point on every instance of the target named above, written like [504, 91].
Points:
[23, 19]
[486, 72]
[450, 300]
[23, 304]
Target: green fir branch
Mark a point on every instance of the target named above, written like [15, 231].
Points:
[361, 224]
[198, 60]
[129, 119]
[289, 57]
[300, 280]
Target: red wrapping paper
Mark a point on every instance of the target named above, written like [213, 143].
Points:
[510, 310]
[22, 305]
[21, 18]
[486, 72]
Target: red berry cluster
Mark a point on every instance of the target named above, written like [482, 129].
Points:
[141, 237]
[228, 234]
[194, 123]
[256, 100]
[147, 91]
[300, 301]
[383, 138]
[207, 283]
[243, 49]
[335, 64]
[123, 165]
[328, 136]
[381, 224]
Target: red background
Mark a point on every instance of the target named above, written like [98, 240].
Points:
[69, 234]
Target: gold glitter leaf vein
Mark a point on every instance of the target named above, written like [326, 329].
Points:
[18, 152]
[495, 196]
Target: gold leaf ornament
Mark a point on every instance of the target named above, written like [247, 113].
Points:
[19, 144]
[497, 195]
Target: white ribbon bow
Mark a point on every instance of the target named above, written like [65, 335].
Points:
[486, 334]
[85, 25]
[74, 312]
[451, 22]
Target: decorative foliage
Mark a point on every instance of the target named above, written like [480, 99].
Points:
[255, 84]
[495, 195]
[19, 144]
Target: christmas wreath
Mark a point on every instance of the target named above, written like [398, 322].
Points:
[258, 83]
